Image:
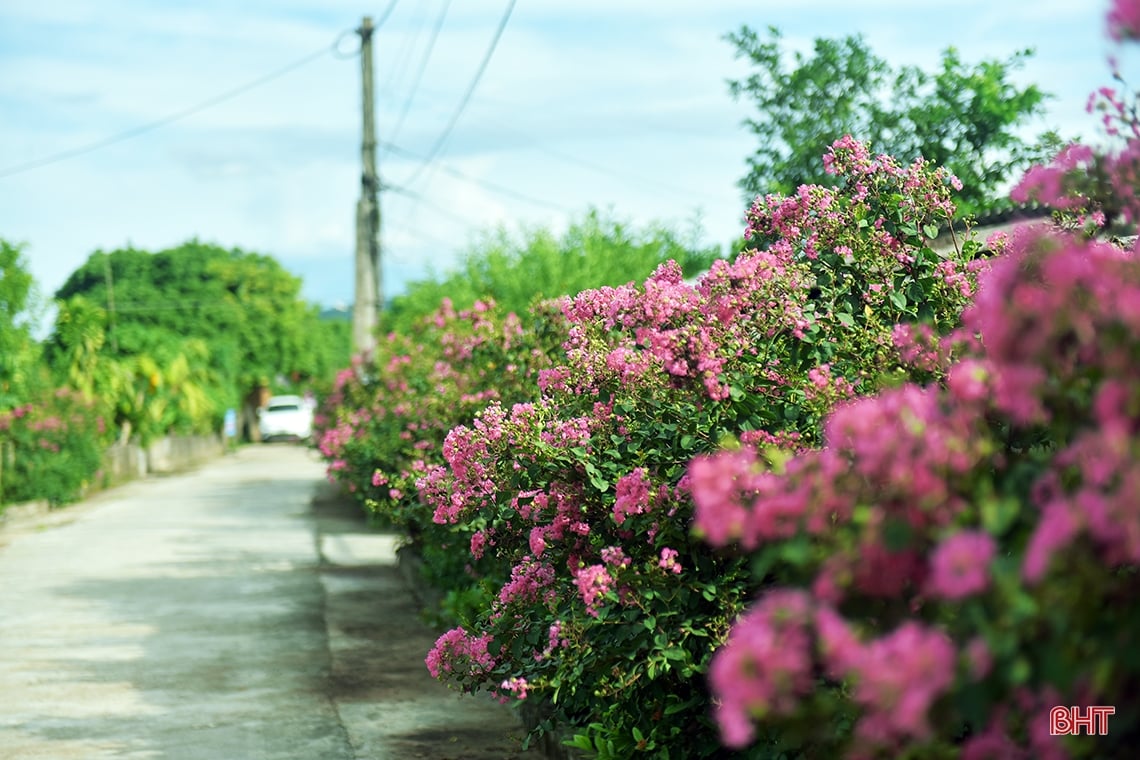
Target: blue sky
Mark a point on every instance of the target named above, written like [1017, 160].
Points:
[620, 104]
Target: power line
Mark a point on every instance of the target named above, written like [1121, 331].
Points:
[384, 16]
[595, 167]
[186, 112]
[434, 207]
[394, 74]
[493, 187]
[423, 67]
[466, 96]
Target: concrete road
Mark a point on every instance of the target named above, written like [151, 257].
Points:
[222, 615]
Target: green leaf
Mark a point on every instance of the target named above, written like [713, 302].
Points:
[999, 514]
[930, 230]
[898, 299]
[845, 319]
[897, 535]
[580, 741]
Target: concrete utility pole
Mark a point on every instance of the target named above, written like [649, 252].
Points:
[369, 293]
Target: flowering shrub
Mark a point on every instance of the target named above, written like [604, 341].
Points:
[600, 598]
[56, 444]
[960, 557]
[981, 529]
[384, 423]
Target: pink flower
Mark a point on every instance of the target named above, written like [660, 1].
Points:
[517, 686]
[1124, 19]
[838, 645]
[717, 483]
[960, 565]
[1055, 530]
[765, 666]
[478, 544]
[593, 583]
[457, 651]
[632, 495]
[899, 677]
[537, 540]
[979, 657]
[992, 744]
[614, 556]
[967, 380]
[669, 561]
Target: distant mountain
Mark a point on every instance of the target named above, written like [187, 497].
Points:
[337, 313]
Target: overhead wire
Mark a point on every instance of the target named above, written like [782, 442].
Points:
[333, 49]
[422, 68]
[435, 149]
[493, 187]
[419, 198]
[583, 163]
[392, 74]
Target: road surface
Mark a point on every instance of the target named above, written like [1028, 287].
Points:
[222, 614]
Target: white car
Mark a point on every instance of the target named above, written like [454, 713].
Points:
[286, 417]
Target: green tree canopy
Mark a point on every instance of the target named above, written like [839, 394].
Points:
[515, 271]
[966, 117]
[19, 352]
[189, 331]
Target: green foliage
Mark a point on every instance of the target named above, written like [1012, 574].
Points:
[19, 353]
[385, 420]
[562, 524]
[52, 446]
[171, 339]
[965, 117]
[515, 272]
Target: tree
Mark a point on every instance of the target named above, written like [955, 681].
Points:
[514, 271]
[965, 117]
[191, 331]
[19, 353]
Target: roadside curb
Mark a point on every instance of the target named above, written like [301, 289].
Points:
[27, 510]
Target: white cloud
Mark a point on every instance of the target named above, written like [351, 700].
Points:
[636, 88]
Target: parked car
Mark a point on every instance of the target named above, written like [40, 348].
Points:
[286, 417]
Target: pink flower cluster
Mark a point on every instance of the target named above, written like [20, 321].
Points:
[458, 652]
[530, 582]
[593, 582]
[631, 495]
[768, 665]
[960, 565]
[765, 667]
[1124, 19]
[668, 561]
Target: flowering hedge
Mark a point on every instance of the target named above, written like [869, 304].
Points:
[383, 425]
[601, 600]
[960, 558]
[56, 443]
[844, 497]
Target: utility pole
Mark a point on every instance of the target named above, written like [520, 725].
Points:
[110, 280]
[369, 293]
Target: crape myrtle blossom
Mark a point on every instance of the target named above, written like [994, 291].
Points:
[696, 334]
[960, 565]
[1124, 19]
[590, 480]
[765, 665]
[768, 665]
[459, 651]
[1058, 318]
